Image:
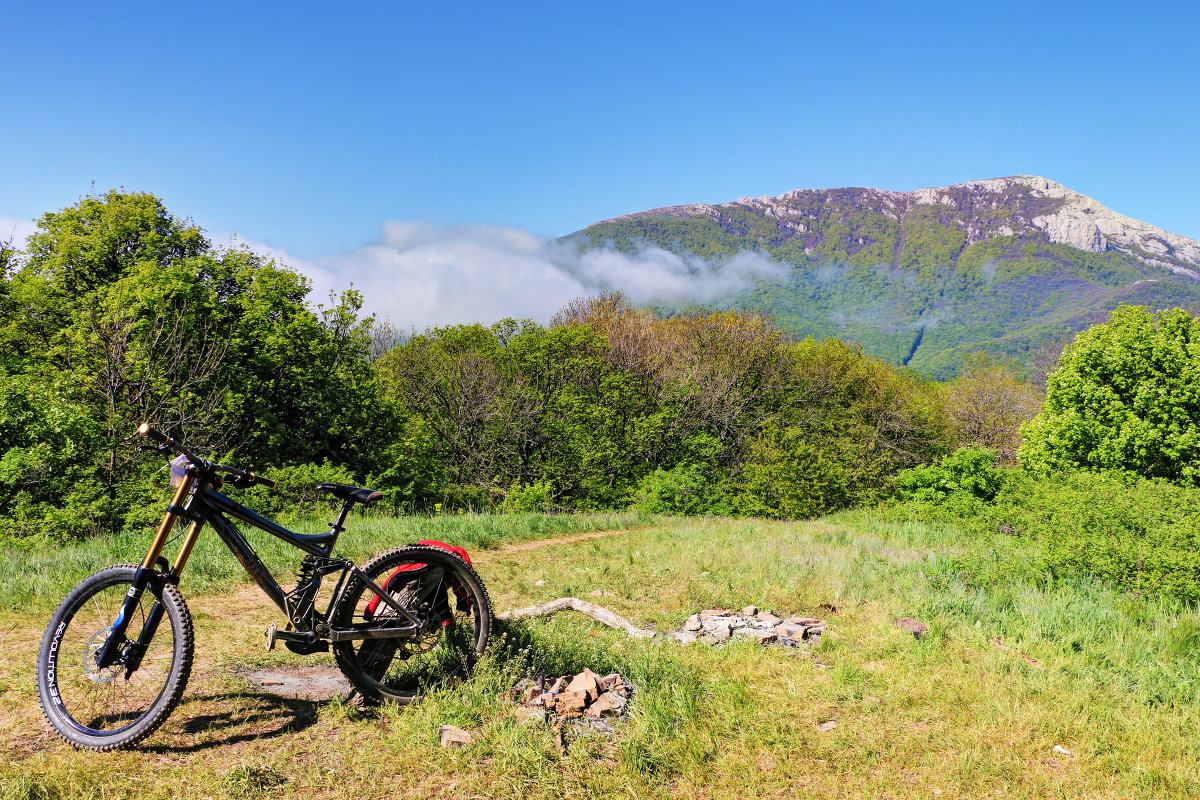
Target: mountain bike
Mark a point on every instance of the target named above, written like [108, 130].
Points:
[117, 653]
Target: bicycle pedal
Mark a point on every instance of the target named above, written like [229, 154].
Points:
[271, 632]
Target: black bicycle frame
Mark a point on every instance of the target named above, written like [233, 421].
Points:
[211, 505]
[207, 505]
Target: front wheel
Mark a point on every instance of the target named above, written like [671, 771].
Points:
[448, 598]
[96, 708]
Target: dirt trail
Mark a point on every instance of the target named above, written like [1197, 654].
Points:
[533, 545]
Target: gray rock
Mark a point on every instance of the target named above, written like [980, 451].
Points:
[693, 623]
[454, 738]
[609, 704]
[790, 632]
[612, 680]
[720, 633]
[762, 637]
[685, 637]
[749, 611]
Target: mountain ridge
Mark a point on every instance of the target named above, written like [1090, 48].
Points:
[1078, 220]
[1000, 264]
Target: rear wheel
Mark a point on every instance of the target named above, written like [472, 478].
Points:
[98, 708]
[443, 592]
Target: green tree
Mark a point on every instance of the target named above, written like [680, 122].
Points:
[516, 405]
[1125, 396]
[125, 313]
[851, 423]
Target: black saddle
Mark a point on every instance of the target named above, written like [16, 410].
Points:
[355, 493]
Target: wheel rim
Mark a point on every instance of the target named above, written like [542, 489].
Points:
[105, 701]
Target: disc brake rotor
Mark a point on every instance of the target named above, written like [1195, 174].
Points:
[94, 673]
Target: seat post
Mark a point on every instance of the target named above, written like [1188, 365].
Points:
[337, 527]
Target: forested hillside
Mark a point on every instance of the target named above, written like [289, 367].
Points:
[925, 278]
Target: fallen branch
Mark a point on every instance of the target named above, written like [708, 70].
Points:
[592, 610]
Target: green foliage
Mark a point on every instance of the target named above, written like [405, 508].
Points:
[1137, 534]
[704, 413]
[120, 313]
[295, 494]
[683, 489]
[987, 404]
[790, 476]
[45, 435]
[536, 497]
[1126, 396]
[968, 469]
[516, 405]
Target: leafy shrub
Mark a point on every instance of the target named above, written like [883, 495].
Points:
[788, 476]
[529, 497]
[296, 492]
[1141, 535]
[968, 469]
[683, 489]
[987, 404]
[1126, 396]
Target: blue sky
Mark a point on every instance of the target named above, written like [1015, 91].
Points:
[306, 127]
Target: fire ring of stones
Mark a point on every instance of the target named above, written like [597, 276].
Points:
[719, 625]
[573, 704]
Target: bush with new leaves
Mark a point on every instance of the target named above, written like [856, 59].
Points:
[1126, 396]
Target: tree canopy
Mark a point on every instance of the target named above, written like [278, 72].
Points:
[118, 313]
[1125, 396]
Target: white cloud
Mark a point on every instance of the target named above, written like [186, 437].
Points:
[420, 274]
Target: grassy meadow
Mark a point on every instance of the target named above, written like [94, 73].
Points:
[975, 708]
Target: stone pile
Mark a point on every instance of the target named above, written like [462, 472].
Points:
[585, 695]
[573, 705]
[718, 625]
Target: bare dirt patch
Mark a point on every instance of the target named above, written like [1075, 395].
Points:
[301, 683]
[576, 537]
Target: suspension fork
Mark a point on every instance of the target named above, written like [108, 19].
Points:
[146, 576]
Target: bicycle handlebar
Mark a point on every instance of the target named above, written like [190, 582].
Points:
[166, 441]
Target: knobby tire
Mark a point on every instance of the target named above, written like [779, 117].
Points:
[102, 709]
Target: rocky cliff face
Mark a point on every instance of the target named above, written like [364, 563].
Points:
[1027, 206]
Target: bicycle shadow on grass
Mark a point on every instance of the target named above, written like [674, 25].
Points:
[244, 716]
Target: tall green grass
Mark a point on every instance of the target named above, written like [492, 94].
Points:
[41, 575]
[1139, 535]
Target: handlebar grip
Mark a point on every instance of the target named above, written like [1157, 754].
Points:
[156, 436]
[270, 484]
